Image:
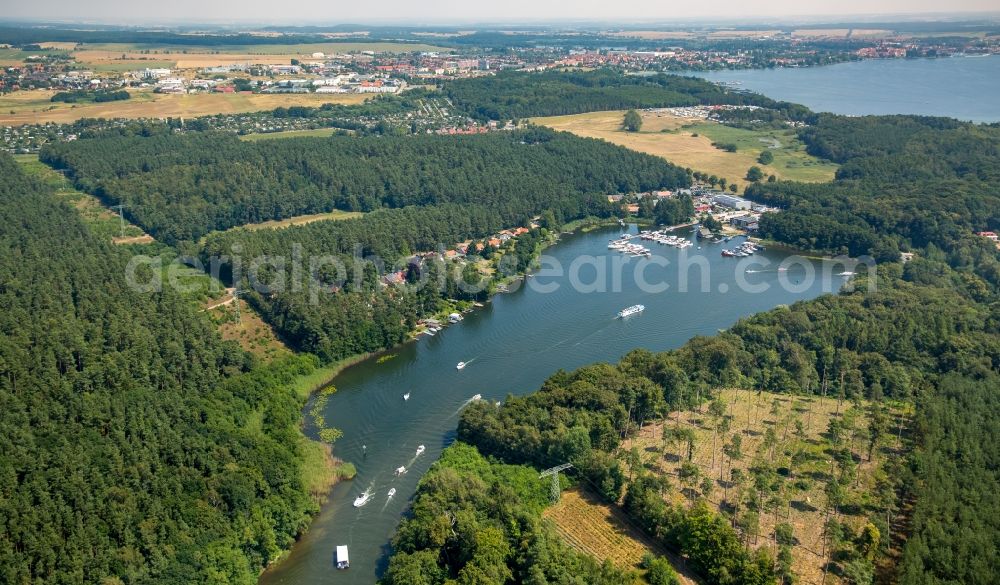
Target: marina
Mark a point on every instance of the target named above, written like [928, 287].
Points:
[624, 243]
[743, 250]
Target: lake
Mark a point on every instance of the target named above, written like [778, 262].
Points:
[958, 87]
[512, 345]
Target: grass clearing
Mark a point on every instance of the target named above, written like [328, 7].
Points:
[688, 143]
[251, 332]
[802, 486]
[335, 215]
[101, 220]
[317, 132]
[33, 107]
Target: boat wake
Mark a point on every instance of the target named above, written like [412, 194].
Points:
[420, 451]
[466, 403]
[388, 499]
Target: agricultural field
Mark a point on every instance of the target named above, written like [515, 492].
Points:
[11, 56]
[317, 132]
[788, 441]
[602, 531]
[102, 221]
[35, 107]
[653, 35]
[133, 56]
[841, 33]
[688, 143]
[334, 215]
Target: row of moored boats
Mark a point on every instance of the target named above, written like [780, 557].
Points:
[743, 250]
[624, 246]
[662, 237]
[624, 243]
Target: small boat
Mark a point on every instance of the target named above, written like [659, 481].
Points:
[400, 470]
[363, 499]
[343, 561]
[406, 396]
[477, 397]
[429, 332]
[420, 450]
[392, 492]
[460, 365]
[631, 311]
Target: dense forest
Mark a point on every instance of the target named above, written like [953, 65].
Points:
[136, 447]
[515, 95]
[182, 187]
[422, 193]
[906, 182]
[361, 251]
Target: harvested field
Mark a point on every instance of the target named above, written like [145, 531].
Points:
[318, 132]
[840, 33]
[688, 142]
[302, 220]
[31, 107]
[604, 532]
[653, 34]
[135, 56]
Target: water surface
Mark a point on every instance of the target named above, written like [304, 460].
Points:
[966, 88]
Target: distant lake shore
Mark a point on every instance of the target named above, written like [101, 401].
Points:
[956, 87]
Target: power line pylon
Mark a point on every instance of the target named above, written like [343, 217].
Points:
[554, 473]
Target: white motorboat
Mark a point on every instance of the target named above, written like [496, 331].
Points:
[363, 498]
[406, 396]
[392, 492]
[477, 397]
[400, 470]
[631, 311]
[420, 450]
[460, 366]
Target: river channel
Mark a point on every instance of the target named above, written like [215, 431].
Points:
[511, 346]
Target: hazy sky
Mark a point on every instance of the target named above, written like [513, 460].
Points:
[441, 11]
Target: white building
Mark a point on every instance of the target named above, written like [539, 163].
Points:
[731, 202]
[157, 73]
